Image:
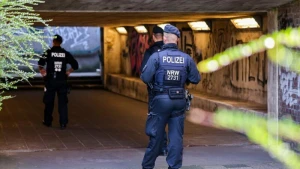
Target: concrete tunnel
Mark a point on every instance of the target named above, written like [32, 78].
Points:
[244, 85]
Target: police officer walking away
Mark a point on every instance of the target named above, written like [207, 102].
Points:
[168, 70]
[55, 77]
[157, 37]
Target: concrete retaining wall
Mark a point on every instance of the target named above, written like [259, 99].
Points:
[127, 86]
[136, 89]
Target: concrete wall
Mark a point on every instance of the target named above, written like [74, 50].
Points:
[125, 59]
[289, 82]
[128, 86]
[245, 79]
[112, 49]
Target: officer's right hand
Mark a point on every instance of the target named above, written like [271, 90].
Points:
[68, 73]
[43, 72]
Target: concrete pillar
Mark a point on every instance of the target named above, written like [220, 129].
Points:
[112, 51]
[273, 70]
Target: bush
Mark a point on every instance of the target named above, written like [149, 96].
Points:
[17, 36]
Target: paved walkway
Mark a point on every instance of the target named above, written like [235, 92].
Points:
[98, 119]
[106, 131]
[212, 157]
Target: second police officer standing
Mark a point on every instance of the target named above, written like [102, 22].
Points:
[168, 70]
[55, 77]
[158, 43]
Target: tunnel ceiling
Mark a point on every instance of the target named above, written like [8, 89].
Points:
[134, 12]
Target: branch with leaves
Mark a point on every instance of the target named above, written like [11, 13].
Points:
[282, 49]
[17, 37]
[258, 129]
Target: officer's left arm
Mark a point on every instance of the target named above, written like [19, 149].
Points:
[150, 68]
[73, 62]
[193, 73]
[145, 59]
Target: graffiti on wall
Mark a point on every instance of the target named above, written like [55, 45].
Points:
[289, 82]
[75, 37]
[187, 45]
[249, 73]
[207, 84]
[284, 21]
[84, 43]
[137, 45]
[252, 69]
[289, 85]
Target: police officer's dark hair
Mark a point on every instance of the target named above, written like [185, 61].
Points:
[57, 38]
[158, 34]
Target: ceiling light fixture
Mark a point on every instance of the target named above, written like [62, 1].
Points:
[243, 23]
[140, 29]
[199, 26]
[121, 30]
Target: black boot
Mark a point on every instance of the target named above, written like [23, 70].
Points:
[47, 124]
[63, 126]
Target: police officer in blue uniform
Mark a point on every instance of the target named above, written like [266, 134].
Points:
[168, 70]
[55, 77]
[158, 43]
[157, 37]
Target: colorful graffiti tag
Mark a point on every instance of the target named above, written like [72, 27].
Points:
[138, 43]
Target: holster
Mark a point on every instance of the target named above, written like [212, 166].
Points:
[188, 98]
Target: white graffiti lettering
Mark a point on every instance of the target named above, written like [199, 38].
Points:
[170, 59]
[289, 92]
[75, 36]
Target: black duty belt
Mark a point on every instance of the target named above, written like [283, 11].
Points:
[170, 91]
[160, 92]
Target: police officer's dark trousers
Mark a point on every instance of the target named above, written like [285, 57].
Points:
[52, 87]
[165, 111]
[163, 148]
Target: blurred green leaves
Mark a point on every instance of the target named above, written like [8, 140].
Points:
[281, 48]
[264, 132]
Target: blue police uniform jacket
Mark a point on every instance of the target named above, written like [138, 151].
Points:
[169, 68]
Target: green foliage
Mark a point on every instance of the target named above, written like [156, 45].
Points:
[282, 49]
[263, 132]
[17, 36]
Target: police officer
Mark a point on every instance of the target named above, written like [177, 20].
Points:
[55, 77]
[157, 37]
[168, 70]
